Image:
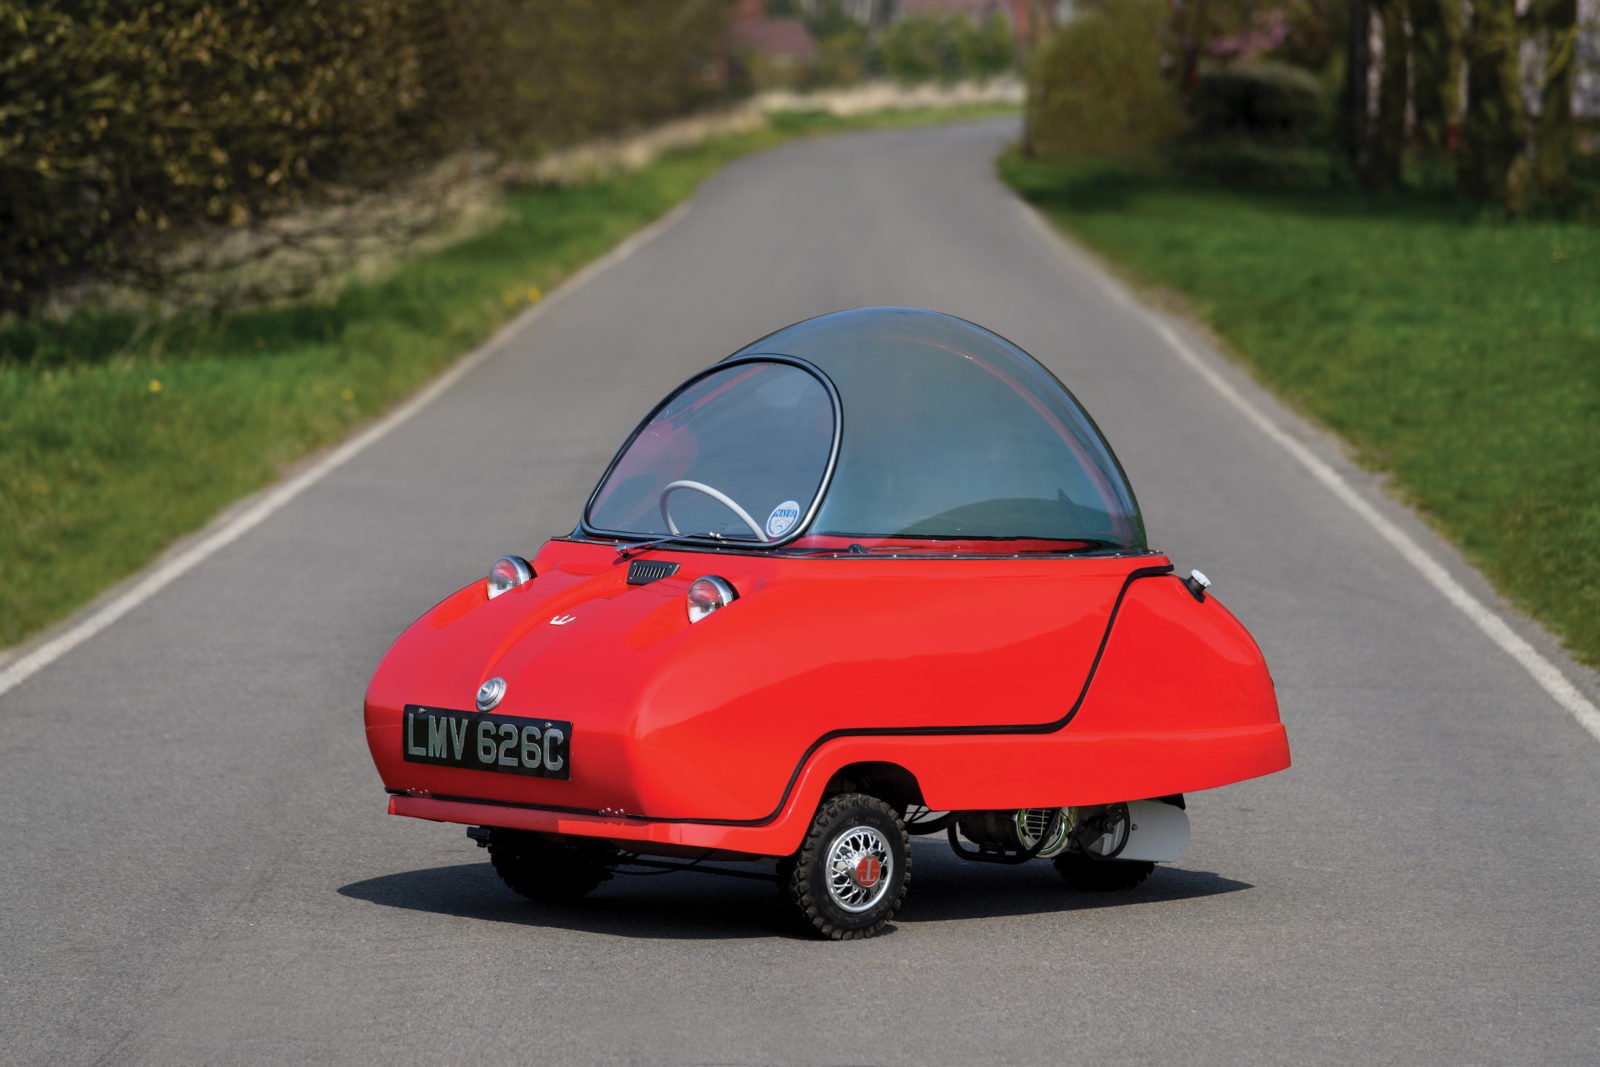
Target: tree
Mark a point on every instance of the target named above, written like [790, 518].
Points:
[1554, 135]
[1435, 70]
[1386, 148]
[1353, 98]
[1492, 169]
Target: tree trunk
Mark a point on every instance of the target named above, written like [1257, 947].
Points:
[1193, 33]
[1553, 138]
[1386, 149]
[1492, 168]
[1353, 101]
[1435, 71]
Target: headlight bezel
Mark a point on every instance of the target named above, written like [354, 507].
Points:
[502, 579]
[707, 595]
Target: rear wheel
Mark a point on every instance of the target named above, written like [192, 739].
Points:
[548, 871]
[1101, 876]
[851, 872]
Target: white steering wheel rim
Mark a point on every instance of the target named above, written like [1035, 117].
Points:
[715, 494]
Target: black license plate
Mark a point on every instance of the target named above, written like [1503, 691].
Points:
[480, 741]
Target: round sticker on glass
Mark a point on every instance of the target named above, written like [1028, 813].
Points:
[783, 518]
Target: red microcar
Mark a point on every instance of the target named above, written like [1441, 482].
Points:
[876, 574]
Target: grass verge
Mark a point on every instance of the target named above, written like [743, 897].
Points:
[1460, 355]
[112, 445]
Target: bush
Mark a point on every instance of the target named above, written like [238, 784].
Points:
[120, 122]
[122, 119]
[1099, 86]
[841, 58]
[1240, 163]
[918, 50]
[946, 49]
[985, 49]
[1260, 101]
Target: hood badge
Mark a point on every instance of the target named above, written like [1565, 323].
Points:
[490, 693]
[562, 620]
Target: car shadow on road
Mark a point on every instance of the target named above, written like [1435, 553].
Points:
[946, 888]
[697, 906]
[676, 906]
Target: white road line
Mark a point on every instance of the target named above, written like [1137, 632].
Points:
[230, 529]
[1547, 674]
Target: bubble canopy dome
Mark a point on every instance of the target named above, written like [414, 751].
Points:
[876, 429]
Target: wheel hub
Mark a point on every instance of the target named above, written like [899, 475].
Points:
[869, 871]
[859, 868]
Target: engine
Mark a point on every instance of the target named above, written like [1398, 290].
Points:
[1040, 832]
[1149, 830]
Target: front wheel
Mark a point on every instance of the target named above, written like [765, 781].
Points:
[547, 871]
[851, 872]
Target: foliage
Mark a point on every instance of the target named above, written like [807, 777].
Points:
[946, 49]
[985, 49]
[842, 58]
[918, 50]
[118, 119]
[1479, 93]
[1099, 85]
[1492, 166]
[1244, 162]
[1458, 355]
[1436, 63]
[1386, 138]
[1261, 101]
[576, 69]
[1555, 132]
[120, 122]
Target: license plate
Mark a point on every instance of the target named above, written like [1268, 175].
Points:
[480, 741]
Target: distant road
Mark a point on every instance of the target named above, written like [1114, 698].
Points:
[198, 867]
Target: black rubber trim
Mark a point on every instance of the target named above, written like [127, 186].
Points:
[870, 731]
[578, 537]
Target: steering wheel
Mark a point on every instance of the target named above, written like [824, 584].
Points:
[715, 494]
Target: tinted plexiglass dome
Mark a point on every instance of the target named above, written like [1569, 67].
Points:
[921, 426]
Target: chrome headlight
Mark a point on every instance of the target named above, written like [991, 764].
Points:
[709, 594]
[507, 573]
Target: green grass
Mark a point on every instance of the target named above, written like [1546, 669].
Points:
[1460, 354]
[112, 443]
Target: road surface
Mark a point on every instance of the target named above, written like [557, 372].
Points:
[198, 866]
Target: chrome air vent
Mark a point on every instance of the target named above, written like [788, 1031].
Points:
[645, 571]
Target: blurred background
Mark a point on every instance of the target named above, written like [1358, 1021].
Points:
[126, 127]
[230, 230]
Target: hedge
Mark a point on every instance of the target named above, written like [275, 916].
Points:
[122, 121]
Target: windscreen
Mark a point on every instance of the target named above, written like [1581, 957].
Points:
[951, 432]
[736, 454]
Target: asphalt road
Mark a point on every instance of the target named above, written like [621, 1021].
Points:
[197, 866]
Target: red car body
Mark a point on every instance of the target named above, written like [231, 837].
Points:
[990, 657]
[995, 683]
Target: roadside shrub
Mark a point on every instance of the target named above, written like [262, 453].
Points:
[918, 50]
[946, 49]
[842, 58]
[985, 48]
[122, 119]
[1240, 163]
[1099, 86]
[1260, 101]
[122, 123]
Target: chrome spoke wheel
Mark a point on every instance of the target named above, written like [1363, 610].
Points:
[860, 868]
[850, 873]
